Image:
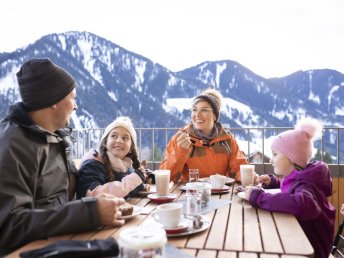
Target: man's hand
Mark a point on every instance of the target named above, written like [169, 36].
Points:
[108, 210]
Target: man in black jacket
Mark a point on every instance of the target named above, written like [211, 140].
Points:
[35, 165]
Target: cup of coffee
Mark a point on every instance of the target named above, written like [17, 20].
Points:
[217, 181]
[247, 173]
[170, 214]
[162, 181]
[193, 175]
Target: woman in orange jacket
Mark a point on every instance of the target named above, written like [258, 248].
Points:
[204, 143]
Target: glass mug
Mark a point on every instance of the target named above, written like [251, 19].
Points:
[142, 242]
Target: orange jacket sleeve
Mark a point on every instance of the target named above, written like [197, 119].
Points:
[236, 159]
[174, 158]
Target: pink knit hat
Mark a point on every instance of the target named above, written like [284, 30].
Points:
[297, 144]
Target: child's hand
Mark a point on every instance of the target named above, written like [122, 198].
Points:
[248, 191]
[264, 179]
[255, 179]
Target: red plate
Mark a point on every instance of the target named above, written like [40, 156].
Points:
[162, 199]
[225, 189]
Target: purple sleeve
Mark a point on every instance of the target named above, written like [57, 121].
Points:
[301, 203]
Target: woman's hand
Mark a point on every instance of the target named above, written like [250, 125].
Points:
[183, 140]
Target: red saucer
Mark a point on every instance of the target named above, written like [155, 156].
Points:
[225, 189]
[162, 199]
[182, 227]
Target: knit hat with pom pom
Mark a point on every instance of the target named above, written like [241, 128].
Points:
[122, 121]
[214, 98]
[297, 144]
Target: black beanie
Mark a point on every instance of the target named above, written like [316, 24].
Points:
[43, 84]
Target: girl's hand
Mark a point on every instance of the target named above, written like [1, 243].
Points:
[248, 191]
[264, 179]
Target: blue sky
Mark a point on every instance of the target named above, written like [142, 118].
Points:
[273, 38]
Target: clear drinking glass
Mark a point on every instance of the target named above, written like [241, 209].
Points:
[193, 202]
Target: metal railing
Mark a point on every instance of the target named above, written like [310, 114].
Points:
[254, 142]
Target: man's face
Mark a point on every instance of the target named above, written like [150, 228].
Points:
[64, 108]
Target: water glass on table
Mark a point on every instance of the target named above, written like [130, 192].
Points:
[193, 175]
[193, 202]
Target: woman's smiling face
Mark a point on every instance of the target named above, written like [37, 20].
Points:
[202, 117]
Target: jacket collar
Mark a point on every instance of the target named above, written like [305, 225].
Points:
[18, 115]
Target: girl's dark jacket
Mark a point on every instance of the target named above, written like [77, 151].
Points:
[34, 179]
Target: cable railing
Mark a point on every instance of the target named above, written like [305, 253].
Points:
[254, 142]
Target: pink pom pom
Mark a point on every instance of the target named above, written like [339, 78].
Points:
[311, 126]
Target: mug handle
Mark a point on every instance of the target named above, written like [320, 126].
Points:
[155, 216]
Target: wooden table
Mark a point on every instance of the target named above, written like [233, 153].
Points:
[237, 230]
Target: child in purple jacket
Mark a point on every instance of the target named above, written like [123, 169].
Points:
[305, 185]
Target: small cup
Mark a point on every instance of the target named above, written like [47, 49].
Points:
[247, 173]
[193, 175]
[162, 181]
[170, 214]
[217, 181]
[203, 188]
[193, 202]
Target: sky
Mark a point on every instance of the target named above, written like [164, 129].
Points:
[272, 38]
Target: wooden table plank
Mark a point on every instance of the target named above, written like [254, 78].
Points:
[234, 234]
[191, 252]
[252, 239]
[206, 254]
[270, 238]
[218, 228]
[248, 255]
[269, 256]
[293, 238]
[226, 254]
[85, 235]
[198, 240]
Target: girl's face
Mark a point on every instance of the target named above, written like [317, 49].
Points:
[281, 164]
[119, 142]
[202, 117]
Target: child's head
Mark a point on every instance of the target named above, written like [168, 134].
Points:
[119, 137]
[296, 145]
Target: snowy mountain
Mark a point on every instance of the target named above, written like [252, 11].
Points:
[113, 81]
